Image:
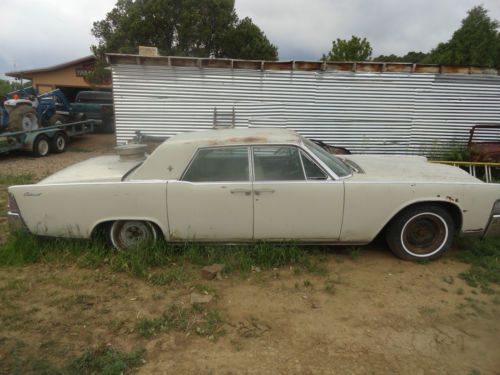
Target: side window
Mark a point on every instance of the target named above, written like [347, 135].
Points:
[223, 164]
[277, 163]
[313, 172]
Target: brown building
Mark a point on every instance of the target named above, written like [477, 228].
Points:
[70, 76]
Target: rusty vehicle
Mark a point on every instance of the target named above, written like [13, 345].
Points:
[246, 185]
[485, 151]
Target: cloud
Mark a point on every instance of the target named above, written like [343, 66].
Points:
[35, 34]
[305, 30]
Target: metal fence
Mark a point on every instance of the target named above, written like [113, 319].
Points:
[366, 112]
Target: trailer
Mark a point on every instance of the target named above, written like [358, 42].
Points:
[42, 141]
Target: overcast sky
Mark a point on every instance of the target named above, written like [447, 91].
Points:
[40, 33]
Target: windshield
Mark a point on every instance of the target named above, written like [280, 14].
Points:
[335, 164]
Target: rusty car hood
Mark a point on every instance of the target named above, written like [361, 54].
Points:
[406, 169]
[108, 168]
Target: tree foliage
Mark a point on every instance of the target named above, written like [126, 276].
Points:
[355, 49]
[476, 42]
[247, 41]
[410, 57]
[181, 27]
[9, 86]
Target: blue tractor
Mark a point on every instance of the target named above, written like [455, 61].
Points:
[24, 110]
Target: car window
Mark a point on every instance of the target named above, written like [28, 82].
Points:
[223, 164]
[313, 172]
[277, 163]
[335, 164]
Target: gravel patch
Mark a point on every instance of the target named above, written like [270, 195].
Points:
[79, 149]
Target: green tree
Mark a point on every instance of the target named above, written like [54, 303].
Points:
[355, 49]
[180, 27]
[247, 41]
[476, 42]
[410, 57]
[8, 86]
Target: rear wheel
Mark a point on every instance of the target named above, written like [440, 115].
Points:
[421, 232]
[58, 143]
[41, 146]
[23, 118]
[130, 234]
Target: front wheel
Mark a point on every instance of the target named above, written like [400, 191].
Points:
[421, 232]
[130, 234]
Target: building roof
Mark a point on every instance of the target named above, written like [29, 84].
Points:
[353, 66]
[30, 73]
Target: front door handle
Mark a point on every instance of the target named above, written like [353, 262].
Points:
[241, 191]
[261, 191]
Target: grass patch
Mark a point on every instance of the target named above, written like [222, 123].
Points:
[484, 258]
[198, 319]
[22, 249]
[104, 359]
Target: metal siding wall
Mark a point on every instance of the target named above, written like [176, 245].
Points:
[365, 112]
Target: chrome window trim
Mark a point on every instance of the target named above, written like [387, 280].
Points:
[314, 162]
[277, 145]
[319, 162]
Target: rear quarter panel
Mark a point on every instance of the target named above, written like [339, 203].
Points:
[369, 206]
[73, 210]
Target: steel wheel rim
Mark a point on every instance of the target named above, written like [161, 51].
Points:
[60, 143]
[43, 147]
[424, 234]
[29, 122]
[132, 234]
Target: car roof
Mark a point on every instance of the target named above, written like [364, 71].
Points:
[170, 158]
[236, 136]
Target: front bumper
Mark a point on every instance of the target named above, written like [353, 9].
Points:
[15, 222]
[493, 228]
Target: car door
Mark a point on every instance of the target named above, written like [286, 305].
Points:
[213, 199]
[294, 199]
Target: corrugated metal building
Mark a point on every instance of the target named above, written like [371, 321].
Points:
[365, 107]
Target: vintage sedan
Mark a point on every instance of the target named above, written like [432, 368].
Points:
[244, 185]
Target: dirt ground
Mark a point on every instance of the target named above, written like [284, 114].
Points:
[370, 314]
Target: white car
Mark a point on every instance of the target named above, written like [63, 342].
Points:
[244, 185]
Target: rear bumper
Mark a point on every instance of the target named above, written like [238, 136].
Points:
[16, 222]
[493, 228]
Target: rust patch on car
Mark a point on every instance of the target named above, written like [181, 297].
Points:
[451, 199]
[245, 140]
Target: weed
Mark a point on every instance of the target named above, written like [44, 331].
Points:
[311, 266]
[329, 287]
[307, 284]
[423, 262]
[484, 258]
[21, 249]
[106, 360]
[355, 253]
[19, 179]
[174, 274]
[206, 289]
[460, 291]
[197, 319]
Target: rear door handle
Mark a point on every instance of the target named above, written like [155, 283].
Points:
[261, 191]
[241, 191]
